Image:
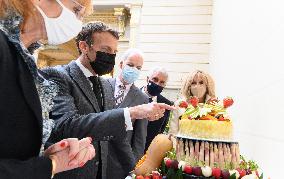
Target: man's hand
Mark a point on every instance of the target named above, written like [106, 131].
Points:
[151, 111]
[70, 153]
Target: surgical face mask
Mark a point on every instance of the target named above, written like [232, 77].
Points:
[130, 74]
[104, 63]
[198, 90]
[63, 28]
[154, 89]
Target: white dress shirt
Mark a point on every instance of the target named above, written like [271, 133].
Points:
[127, 117]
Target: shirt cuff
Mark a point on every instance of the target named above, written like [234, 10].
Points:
[128, 122]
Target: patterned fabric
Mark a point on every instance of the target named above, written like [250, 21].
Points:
[47, 90]
[33, 47]
[120, 95]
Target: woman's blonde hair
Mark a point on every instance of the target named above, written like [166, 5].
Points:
[23, 7]
[185, 89]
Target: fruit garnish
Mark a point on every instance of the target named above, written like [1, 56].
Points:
[168, 163]
[227, 102]
[212, 101]
[156, 177]
[188, 169]
[194, 101]
[206, 171]
[225, 174]
[252, 165]
[216, 172]
[243, 163]
[174, 164]
[248, 171]
[183, 104]
[171, 154]
[221, 118]
[242, 172]
[155, 173]
[249, 166]
[197, 171]
[207, 117]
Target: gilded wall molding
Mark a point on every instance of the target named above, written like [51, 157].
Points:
[107, 17]
[117, 2]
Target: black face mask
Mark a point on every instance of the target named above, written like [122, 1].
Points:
[154, 89]
[104, 63]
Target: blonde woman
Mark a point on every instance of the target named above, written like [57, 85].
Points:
[199, 84]
[26, 97]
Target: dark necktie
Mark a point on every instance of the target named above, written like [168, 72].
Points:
[97, 90]
[150, 100]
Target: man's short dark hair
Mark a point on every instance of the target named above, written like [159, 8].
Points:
[89, 29]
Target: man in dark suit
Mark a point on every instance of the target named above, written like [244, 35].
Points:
[156, 82]
[126, 94]
[82, 106]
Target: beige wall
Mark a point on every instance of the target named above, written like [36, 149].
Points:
[176, 34]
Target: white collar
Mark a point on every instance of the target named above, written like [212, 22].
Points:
[85, 71]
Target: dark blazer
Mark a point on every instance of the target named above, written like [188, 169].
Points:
[77, 114]
[136, 139]
[157, 127]
[21, 119]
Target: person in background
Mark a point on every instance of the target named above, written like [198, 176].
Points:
[26, 97]
[126, 94]
[198, 84]
[156, 82]
[84, 107]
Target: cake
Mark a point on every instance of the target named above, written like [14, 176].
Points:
[204, 145]
[206, 121]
